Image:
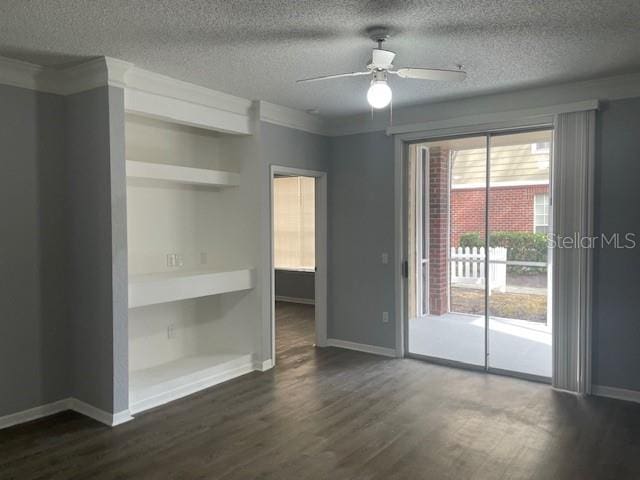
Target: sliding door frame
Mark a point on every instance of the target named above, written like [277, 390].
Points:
[402, 144]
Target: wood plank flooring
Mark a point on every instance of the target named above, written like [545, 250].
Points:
[336, 414]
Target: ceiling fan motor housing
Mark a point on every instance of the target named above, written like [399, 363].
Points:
[381, 59]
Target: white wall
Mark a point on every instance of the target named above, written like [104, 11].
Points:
[213, 229]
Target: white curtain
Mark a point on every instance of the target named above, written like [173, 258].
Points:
[572, 207]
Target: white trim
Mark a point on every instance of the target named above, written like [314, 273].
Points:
[78, 78]
[304, 301]
[608, 88]
[617, 393]
[508, 183]
[320, 283]
[25, 75]
[101, 416]
[34, 413]
[262, 366]
[191, 387]
[184, 112]
[505, 116]
[361, 347]
[158, 96]
[164, 86]
[399, 244]
[74, 404]
[291, 118]
[295, 270]
[89, 75]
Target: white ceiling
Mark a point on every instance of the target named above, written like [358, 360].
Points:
[257, 49]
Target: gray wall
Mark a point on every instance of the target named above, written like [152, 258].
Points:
[96, 236]
[291, 148]
[616, 313]
[294, 284]
[361, 228]
[34, 357]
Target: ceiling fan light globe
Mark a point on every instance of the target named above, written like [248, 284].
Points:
[379, 94]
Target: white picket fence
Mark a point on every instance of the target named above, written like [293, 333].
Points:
[468, 266]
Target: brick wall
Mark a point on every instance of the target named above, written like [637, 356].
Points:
[438, 230]
[510, 210]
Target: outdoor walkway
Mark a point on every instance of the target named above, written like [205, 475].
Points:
[514, 345]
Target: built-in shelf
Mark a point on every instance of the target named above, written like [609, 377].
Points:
[183, 175]
[157, 288]
[163, 383]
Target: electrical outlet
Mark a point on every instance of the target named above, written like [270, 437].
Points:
[175, 260]
[204, 258]
[385, 258]
[171, 332]
[385, 317]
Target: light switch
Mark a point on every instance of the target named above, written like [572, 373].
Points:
[385, 258]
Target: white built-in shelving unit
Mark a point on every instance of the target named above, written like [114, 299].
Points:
[193, 305]
[154, 288]
[181, 175]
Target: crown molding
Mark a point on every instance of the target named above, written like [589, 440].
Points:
[154, 83]
[77, 78]
[17, 73]
[158, 96]
[489, 118]
[544, 99]
[291, 118]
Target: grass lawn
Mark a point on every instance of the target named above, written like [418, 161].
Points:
[521, 306]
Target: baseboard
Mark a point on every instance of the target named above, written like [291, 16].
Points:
[74, 404]
[262, 366]
[304, 301]
[361, 347]
[617, 393]
[191, 387]
[109, 419]
[34, 413]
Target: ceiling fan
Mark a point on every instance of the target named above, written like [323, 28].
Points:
[381, 65]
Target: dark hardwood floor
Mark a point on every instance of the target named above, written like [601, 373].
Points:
[336, 414]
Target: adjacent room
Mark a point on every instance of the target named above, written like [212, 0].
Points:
[319, 239]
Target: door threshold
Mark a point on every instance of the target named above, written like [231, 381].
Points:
[479, 368]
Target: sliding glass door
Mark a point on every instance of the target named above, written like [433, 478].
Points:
[479, 267]
[519, 333]
[450, 323]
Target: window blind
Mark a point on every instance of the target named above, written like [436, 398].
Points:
[294, 223]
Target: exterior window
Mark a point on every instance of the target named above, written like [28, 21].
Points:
[541, 147]
[294, 223]
[541, 213]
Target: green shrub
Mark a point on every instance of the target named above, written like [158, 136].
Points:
[522, 246]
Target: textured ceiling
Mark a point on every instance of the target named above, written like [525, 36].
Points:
[257, 49]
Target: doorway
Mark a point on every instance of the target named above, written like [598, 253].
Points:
[298, 259]
[479, 269]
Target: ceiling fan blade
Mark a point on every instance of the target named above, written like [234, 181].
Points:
[430, 74]
[329, 77]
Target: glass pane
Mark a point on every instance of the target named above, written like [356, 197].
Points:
[294, 222]
[519, 262]
[454, 222]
